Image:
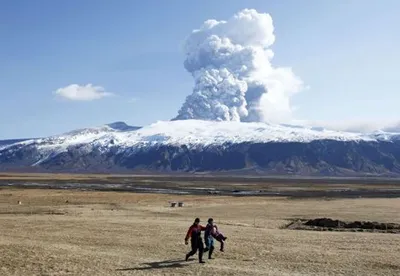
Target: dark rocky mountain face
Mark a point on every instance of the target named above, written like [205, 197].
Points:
[122, 126]
[315, 158]
[319, 157]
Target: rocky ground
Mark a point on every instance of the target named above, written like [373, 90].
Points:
[327, 224]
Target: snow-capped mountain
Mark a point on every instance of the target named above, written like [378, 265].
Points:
[194, 145]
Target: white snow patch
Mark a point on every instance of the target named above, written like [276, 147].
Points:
[192, 133]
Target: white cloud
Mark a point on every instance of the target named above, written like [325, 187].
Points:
[356, 125]
[235, 80]
[75, 92]
[133, 100]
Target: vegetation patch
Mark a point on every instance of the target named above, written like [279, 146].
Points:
[328, 224]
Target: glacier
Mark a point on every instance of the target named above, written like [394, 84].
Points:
[192, 133]
[198, 145]
[197, 132]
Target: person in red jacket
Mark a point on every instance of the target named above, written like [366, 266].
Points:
[194, 233]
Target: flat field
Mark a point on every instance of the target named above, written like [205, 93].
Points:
[211, 184]
[70, 232]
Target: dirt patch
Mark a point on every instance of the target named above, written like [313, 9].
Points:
[328, 224]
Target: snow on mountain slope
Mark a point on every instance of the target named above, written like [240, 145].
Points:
[7, 142]
[195, 132]
[191, 133]
[209, 146]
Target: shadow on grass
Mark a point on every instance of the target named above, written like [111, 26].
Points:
[157, 265]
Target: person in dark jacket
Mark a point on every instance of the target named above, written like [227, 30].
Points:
[208, 237]
[194, 233]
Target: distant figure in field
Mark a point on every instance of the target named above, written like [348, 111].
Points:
[194, 233]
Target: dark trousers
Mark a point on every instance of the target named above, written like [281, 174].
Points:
[221, 239]
[197, 244]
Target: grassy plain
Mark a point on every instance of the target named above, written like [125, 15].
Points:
[70, 232]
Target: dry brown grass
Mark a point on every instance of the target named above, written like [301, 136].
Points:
[110, 233]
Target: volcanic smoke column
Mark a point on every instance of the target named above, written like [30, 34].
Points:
[233, 75]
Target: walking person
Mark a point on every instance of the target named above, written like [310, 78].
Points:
[208, 237]
[194, 233]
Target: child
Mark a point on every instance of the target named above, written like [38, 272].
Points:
[219, 237]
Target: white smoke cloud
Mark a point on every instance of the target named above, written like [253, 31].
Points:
[75, 92]
[355, 125]
[234, 80]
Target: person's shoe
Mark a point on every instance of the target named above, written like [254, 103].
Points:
[202, 262]
[187, 257]
[225, 238]
[206, 249]
[210, 258]
[221, 250]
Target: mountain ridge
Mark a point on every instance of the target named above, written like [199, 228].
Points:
[205, 146]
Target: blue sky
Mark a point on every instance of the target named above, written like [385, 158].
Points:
[346, 51]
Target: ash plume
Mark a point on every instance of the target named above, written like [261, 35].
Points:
[234, 80]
